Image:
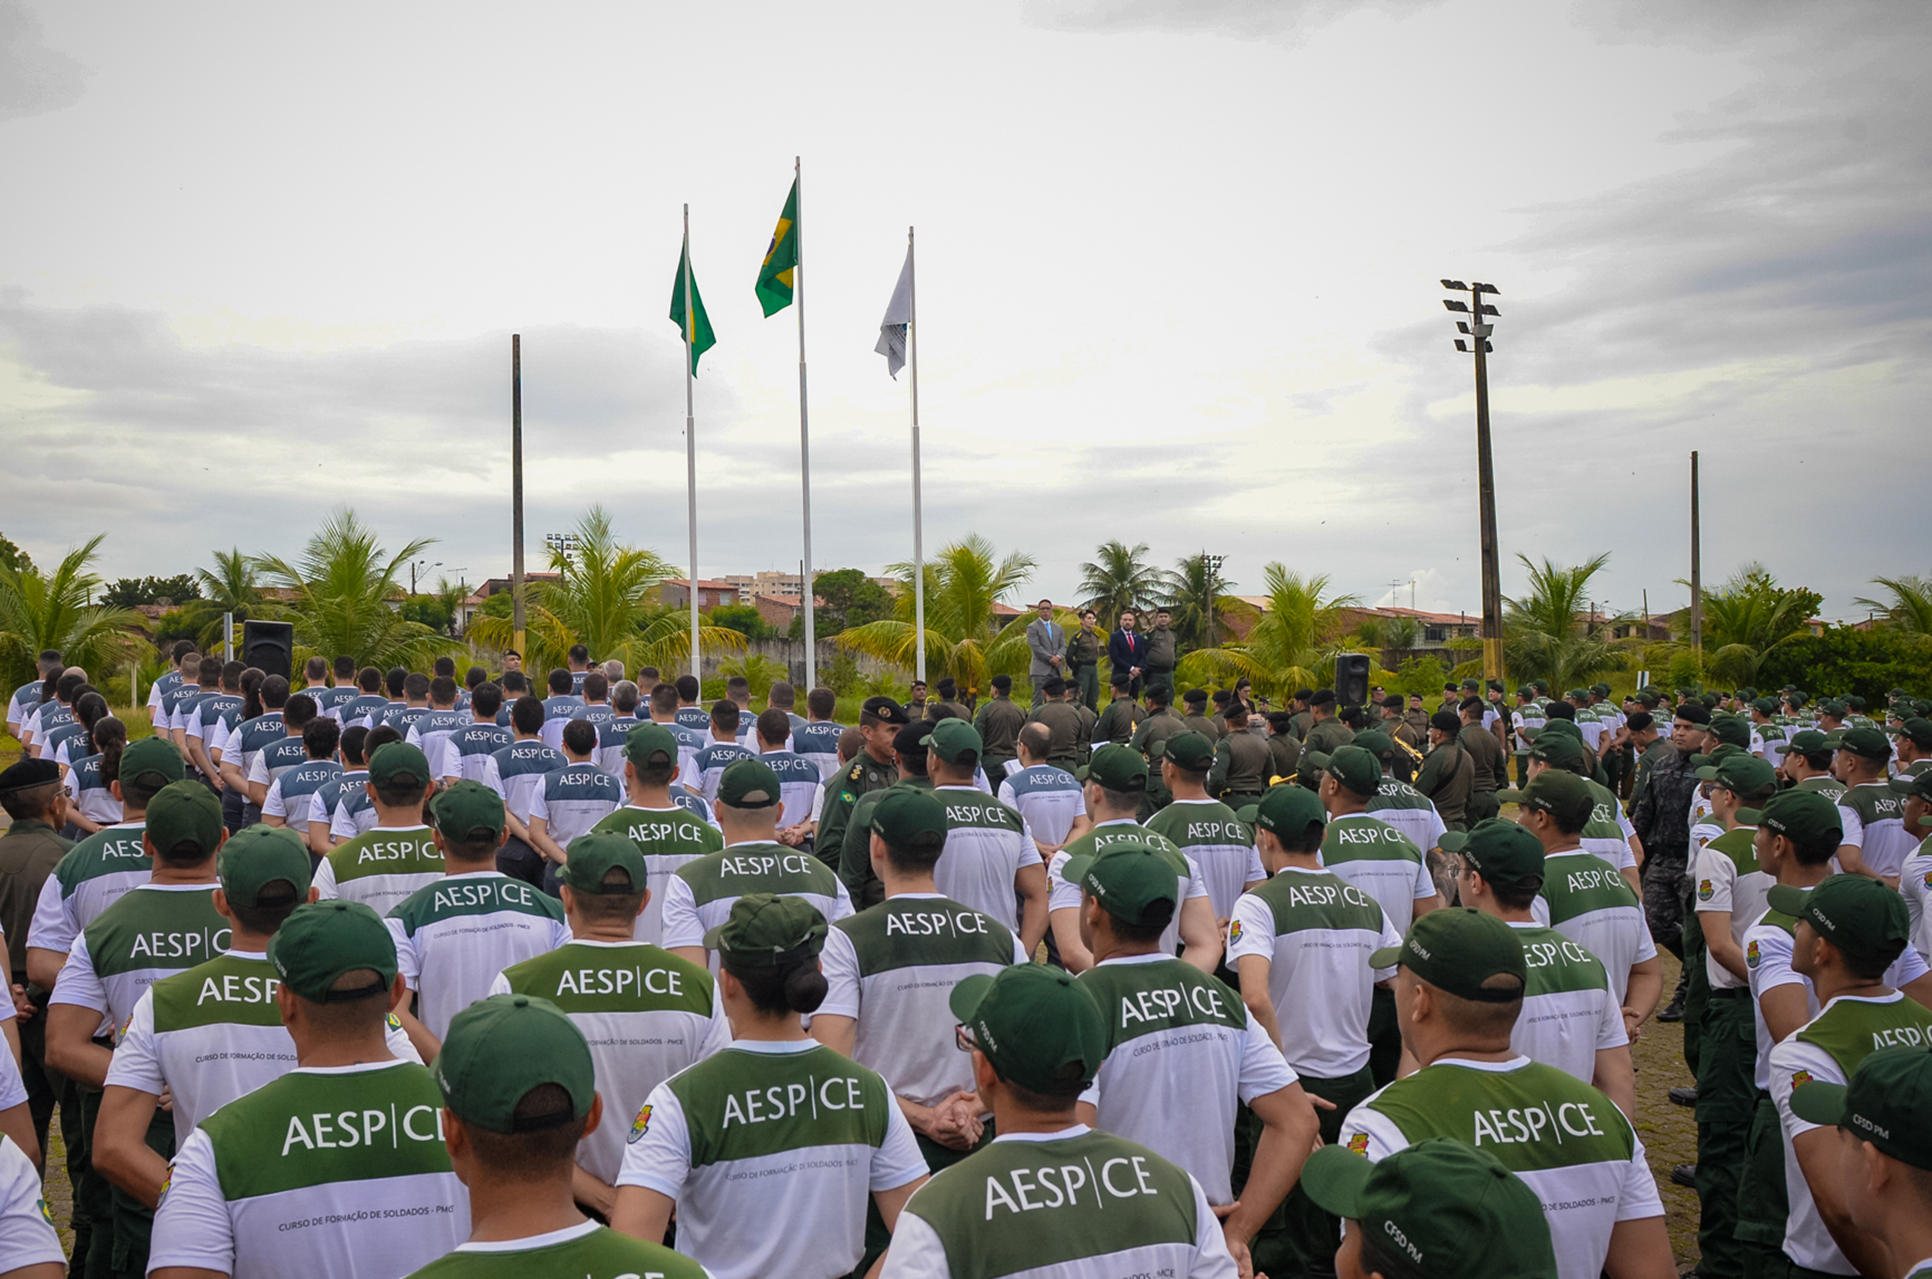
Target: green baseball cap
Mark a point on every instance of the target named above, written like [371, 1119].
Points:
[1716, 755]
[594, 855]
[1859, 915]
[1765, 706]
[646, 741]
[1376, 743]
[1190, 750]
[1422, 1207]
[1731, 730]
[912, 821]
[1805, 817]
[1115, 767]
[1130, 880]
[1458, 949]
[1916, 730]
[320, 941]
[1885, 1103]
[1808, 741]
[1867, 743]
[1286, 810]
[152, 762]
[765, 930]
[1741, 775]
[1037, 1027]
[1501, 852]
[500, 1048]
[397, 760]
[954, 739]
[184, 818]
[1919, 784]
[1354, 769]
[260, 856]
[467, 809]
[1559, 750]
[1558, 792]
[749, 783]
[1833, 707]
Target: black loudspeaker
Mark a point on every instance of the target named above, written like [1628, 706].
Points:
[271, 646]
[1351, 678]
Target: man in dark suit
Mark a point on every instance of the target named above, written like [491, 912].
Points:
[1127, 651]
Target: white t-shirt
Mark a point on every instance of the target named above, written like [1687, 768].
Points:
[1064, 896]
[455, 935]
[1722, 886]
[27, 1235]
[1396, 882]
[986, 847]
[1048, 798]
[1569, 1014]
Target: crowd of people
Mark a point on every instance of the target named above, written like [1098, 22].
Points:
[390, 973]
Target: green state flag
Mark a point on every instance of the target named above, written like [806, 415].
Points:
[701, 338]
[781, 259]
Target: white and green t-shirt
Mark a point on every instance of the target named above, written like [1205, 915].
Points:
[701, 893]
[1873, 815]
[892, 968]
[1828, 1049]
[1607, 833]
[152, 932]
[1408, 810]
[1569, 1014]
[380, 868]
[1062, 895]
[668, 838]
[90, 877]
[1585, 899]
[590, 1250]
[327, 1173]
[1728, 878]
[1566, 1140]
[1182, 1052]
[1317, 931]
[1915, 885]
[1215, 840]
[1073, 1204]
[212, 1034]
[456, 934]
[986, 846]
[1382, 862]
[784, 1134]
[27, 1235]
[646, 1014]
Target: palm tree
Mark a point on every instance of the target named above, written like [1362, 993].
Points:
[1545, 632]
[1196, 594]
[605, 597]
[1747, 618]
[1290, 643]
[231, 586]
[760, 672]
[51, 610]
[1910, 608]
[345, 587]
[964, 637]
[1118, 580]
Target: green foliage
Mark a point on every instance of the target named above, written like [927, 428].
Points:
[500, 604]
[1119, 579]
[1747, 619]
[126, 592]
[742, 618]
[843, 676]
[12, 557]
[1545, 634]
[1842, 660]
[175, 624]
[1195, 592]
[344, 583]
[40, 611]
[1292, 645]
[760, 672]
[1910, 607]
[964, 637]
[429, 611]
[1420, 674]
[848, 599]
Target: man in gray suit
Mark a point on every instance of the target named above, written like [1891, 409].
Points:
[1048, 641]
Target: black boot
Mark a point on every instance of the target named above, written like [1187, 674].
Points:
[1674, 1011]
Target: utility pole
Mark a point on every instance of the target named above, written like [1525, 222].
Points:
[1214, 563]
[516, 492]
[1697, 573]
[1478, 330]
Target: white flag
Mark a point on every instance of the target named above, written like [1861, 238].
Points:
[892, 329]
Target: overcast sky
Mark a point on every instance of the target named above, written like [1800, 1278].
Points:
[1177, 274]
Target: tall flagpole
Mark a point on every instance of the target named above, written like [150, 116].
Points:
[804, 421]
[690, 436]
[918, 529]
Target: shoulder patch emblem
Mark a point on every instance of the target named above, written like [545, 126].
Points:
[1704, 890]
[1800, 1078]
[395, 1022]
[47, 1213]
[1234, 931]
[1751, 954]
[1358, 1144]
[639, 1126]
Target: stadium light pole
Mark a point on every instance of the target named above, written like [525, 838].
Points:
[1214, 563]
[1476, 331]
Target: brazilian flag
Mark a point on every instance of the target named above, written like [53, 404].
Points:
[702, 339]
[781, 259]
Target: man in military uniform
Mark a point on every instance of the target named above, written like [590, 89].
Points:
[999, 722]
[854, 864]
[1448, 773]
[1084, 649]
[29, 850]
[1396, 725]
[1242, 763]
[1163, 648]
[1283, 747]
[1060, 719]
[1123, 714]
[1159, 723]
[1083, 741]
[880, 719]
[1417, 716]
[1195, 714]
[1492, 763]
[1325, 733]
